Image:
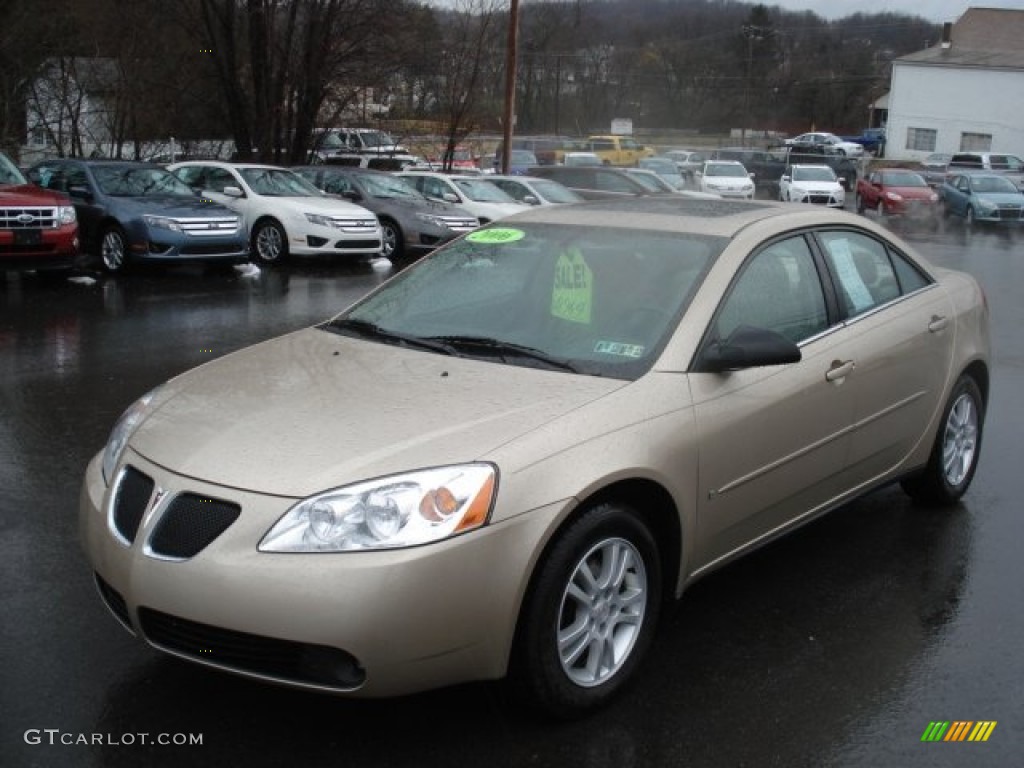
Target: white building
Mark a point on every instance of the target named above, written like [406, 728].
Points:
[964, 94]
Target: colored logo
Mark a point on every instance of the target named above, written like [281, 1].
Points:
[959, 730]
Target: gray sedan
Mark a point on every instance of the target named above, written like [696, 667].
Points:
[410, 223]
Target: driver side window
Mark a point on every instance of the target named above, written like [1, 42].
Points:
[778, 290]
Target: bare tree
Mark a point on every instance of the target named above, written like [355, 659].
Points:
[474, 36]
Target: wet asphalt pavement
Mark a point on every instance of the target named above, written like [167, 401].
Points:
[836, 646]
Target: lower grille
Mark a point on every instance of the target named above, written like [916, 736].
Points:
[366, 245]
[115, 602]
[190, 523]
[302, 663]
[134, 490]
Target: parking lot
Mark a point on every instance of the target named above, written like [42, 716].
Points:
[834, 647]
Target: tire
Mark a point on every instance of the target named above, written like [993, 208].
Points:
[859, 203]
[113, 249]
[954, 456]
[969, 216]
[269, 244]
[393, 240]
[590, 614]
[880, 209]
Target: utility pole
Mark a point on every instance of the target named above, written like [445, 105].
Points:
[510, 87]
[751, 32]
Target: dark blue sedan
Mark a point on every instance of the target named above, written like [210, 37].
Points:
[982, 197]
[133, 212]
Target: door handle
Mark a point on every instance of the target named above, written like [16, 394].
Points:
[937, 323]
[840, 370]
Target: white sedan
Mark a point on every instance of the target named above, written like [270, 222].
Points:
[823, 139]
[476, 195]
[728, 178]
[812, 184]
[285, 213]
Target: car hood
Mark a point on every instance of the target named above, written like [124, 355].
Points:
[912, 193]
[314, 410]
[30, 194]
[169, 205]
[324, 205]
[1000, 198]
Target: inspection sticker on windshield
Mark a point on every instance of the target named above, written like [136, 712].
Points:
[620, 349]
[496, 236]
[573, 291]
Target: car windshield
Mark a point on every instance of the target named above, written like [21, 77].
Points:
[652, 181]
[9, 173]
[125, 181]
[658, 165]
[903, 179]
[732, 170]
[994, 184]
[386, 185]
[278, 182]
[482, 191]
[813, 174]
[554, 192]
[597, 301]
[522, 157]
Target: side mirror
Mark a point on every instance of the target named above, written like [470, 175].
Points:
[233, 192]
[450, 197]
[83, 193]
[530, 200]
[748, 347]
[784, 178]
[352, 194]
[751, 174]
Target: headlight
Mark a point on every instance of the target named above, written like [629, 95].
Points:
[319, 219]
[162, 222]
[66, 214]
[430, 218]
[987, 205]
[893, 196]
[122, 431]
[388, 513]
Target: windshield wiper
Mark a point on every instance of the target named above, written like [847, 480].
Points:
[367, 330]
[502, 348]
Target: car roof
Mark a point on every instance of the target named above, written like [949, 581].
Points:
[677, 213]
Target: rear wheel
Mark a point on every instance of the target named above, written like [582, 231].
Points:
[590, 614]
[954, 456]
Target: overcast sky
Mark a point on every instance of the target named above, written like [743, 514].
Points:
[936, 11]
[932, 10]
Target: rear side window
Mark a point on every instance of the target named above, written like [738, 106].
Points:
[867, 274]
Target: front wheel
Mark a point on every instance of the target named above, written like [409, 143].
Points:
[590, 614]
[969, 216]
[114, 249]
[393, 242]
[269, 243]
[954, 456]
[859, 202]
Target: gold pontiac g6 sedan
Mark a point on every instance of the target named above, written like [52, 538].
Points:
[503, 461]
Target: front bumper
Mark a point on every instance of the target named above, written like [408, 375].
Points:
[308, 239]
[49, 248]
[362, 623]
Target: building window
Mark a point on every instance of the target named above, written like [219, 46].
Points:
[975, 142]
[922, 139]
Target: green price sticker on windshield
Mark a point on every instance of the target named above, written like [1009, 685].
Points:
[495, 236]
[573, 292]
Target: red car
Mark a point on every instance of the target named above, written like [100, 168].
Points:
[38, 227]
[890, 191]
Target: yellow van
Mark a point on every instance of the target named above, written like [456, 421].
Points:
[616, 149]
